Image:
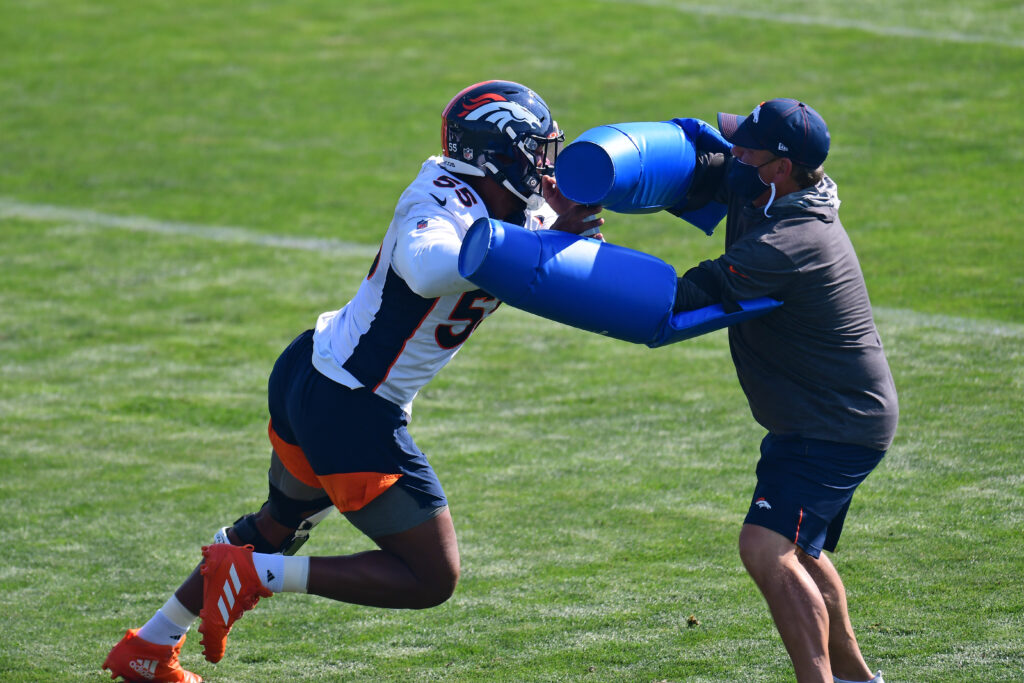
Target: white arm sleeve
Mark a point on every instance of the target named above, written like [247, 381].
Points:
[426, 256]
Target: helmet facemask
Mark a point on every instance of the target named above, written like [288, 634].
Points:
[519, 167]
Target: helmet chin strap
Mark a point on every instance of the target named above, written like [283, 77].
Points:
[533, 202]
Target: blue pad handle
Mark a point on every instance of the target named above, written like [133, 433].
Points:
[689, 324]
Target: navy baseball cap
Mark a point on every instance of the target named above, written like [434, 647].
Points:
[785, 127]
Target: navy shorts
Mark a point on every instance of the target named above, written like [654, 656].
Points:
[804, 488]
[349, 442]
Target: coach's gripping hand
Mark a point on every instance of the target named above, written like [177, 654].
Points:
[705, 138]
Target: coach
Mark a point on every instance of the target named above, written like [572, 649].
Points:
[813, 370]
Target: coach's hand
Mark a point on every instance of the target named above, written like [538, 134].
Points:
[703, 137]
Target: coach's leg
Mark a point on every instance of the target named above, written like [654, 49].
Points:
[415, 568]
[844, 652]
[796, 603]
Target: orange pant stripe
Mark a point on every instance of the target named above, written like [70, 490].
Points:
[349, 491]
[293, 459]
[352, 490]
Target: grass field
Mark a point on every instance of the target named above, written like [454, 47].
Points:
[185, 186]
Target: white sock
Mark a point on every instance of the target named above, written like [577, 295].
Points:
[282, 573]
[169, 624]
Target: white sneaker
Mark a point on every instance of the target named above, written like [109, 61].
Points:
[876, 679]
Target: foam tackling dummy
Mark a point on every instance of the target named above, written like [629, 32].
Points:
[639, 167]
[595, 286]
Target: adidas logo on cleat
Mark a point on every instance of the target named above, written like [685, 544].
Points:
[138, 660]
[227, 599]
[144, 667]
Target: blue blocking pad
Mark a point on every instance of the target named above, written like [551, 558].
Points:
[628, 167]
[595, 286]
[500, 260]
[592, 285]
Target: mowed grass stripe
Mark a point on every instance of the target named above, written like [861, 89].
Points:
[57, 214]
[830, 22]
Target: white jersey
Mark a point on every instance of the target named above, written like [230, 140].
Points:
[413, 311]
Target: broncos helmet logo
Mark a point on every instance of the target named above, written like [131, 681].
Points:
[496, 109]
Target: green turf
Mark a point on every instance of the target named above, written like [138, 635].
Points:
[597, 486]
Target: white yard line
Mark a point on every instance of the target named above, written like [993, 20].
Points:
[711, 10]
[58, 214]
[47, 213]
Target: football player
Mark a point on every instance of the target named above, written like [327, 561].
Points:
[341, 394]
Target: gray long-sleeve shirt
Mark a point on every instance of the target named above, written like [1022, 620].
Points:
[815, 366]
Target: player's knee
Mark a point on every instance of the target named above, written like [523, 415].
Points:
[447, 587]
[437, 583]
[439, 588]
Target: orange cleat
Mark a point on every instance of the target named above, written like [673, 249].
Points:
[230, 587]
[137, 661]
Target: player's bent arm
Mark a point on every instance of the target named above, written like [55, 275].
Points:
[426, 256]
